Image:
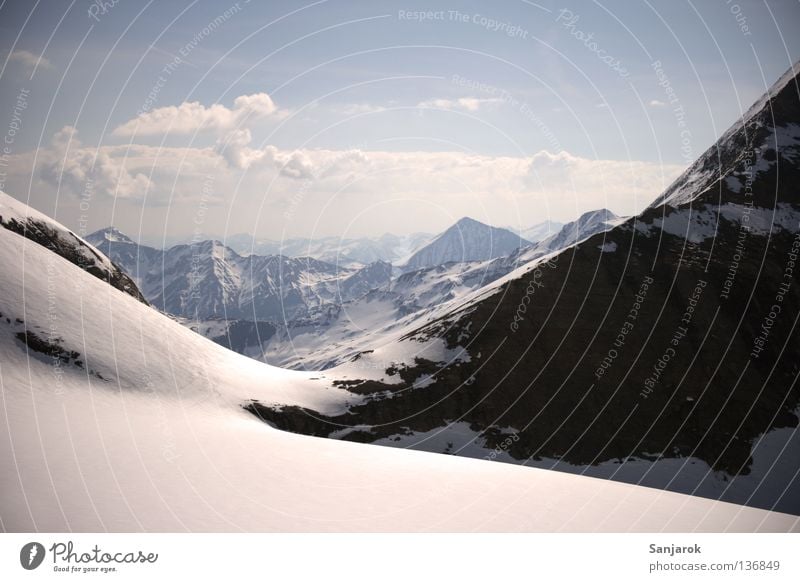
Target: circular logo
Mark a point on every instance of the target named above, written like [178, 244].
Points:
[31, 555]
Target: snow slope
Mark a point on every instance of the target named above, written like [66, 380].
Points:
[20, 218]
[660, 349]
[147, 434]
[588, 224]
[335, 334]
[747, 149]
[322, 316]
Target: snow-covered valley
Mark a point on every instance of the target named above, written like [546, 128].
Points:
[117, 418]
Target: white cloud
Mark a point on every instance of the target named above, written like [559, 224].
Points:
[568, 182]
[624, 186]
[471, 104]
[360, 108]
[235, 149]
[30, 60]
[68, 164]
[191, 116]
[657, 103]
[393, 191]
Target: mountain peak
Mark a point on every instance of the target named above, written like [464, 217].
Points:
[767, 133]
[603, 215]
[111, 234]
[588, 224]
[467, 221]
[467, 240]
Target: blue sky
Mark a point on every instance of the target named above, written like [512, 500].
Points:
[358, 118]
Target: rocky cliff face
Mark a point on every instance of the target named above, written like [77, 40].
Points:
[671, 336]
[33, 225]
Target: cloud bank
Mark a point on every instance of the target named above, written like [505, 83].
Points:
[192, 116]
[29, 60]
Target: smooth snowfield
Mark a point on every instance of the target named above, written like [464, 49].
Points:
[161, 443]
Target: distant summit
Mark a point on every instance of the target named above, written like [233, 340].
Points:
[588, 224]
[748, 154]
[109, 234]
[466, 240]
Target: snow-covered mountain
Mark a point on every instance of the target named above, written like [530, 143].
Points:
[540, 231]
[588, 224]
[117, 418]
[748, 148]
[33, 225]
[659, 350]
[208, 280]
[352, 305]
[348, 252]
[364, 280]
[335, 334]
[467, 240]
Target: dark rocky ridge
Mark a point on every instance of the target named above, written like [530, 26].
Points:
[721, 382]
[543, 383]
[73, 251]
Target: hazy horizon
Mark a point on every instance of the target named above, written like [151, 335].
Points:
[353, 120]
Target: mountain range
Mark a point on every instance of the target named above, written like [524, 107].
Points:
[207, 280]
[660, 351]
[347, 252]
[654, 350]
[287, 310]
[120, 419]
